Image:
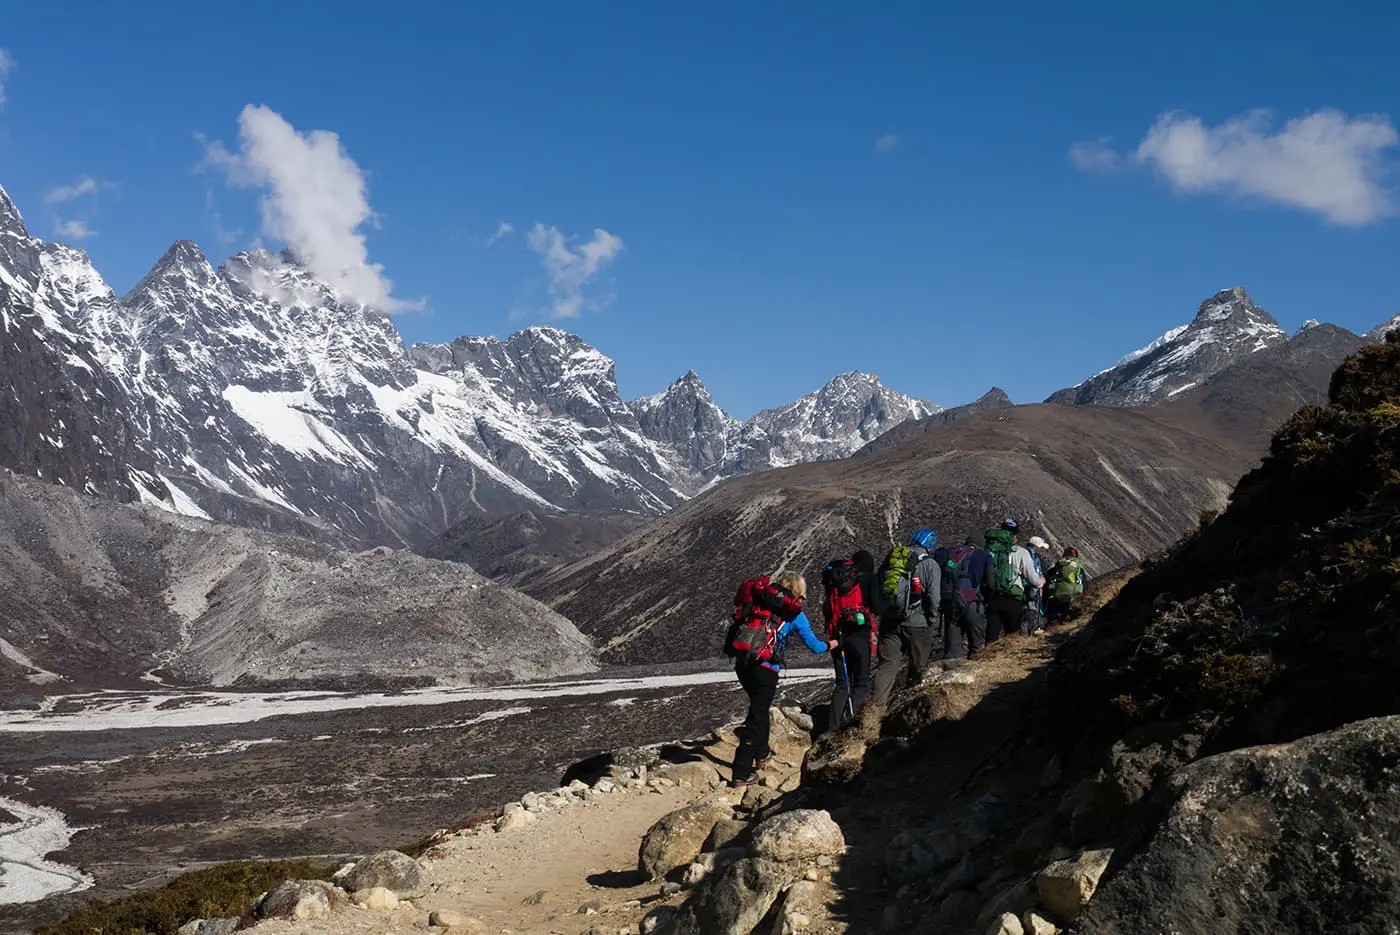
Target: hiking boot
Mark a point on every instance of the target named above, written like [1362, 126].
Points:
[760, 764]
[744, 783]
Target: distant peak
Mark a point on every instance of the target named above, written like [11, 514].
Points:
[10, 218]
[184, 252]
[995, 395]
[1309, 325]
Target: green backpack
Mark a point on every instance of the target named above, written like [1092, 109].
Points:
[894, 585]
[1008, 582]
[1068, 579]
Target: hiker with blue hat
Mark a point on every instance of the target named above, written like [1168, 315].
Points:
[908, 605]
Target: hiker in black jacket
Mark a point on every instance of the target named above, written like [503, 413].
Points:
[969, 575]
[854, 657]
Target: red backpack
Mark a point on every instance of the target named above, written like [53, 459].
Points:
[845, 605]
[760, 610]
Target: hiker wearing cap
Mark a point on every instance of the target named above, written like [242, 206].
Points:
[1014, 576]
[910, 588]
[1032, 618]
[1064, 583]
[967, 575]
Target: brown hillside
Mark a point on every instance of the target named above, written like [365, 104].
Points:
[1117, 483]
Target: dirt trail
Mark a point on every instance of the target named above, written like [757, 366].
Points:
[573, 871]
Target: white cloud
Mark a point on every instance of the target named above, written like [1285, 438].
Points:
[571, 268]
[1095, 156]
[888, 142]
[503, 230]
[86, 185]
[1323, 162]
[77, 229]
[7, 65]
[315, 201]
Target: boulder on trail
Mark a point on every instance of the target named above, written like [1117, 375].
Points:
[678, 837]
[803, 834]
[735, 901]
[375, 897]
[800, 905]
[1292, 837]
[729, 832]
[395, 871]
[226, 925]
[1066, 886]
[298, 900]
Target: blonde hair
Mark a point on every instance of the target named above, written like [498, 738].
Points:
[795, 583]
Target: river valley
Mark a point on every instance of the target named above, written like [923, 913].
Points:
[145, 785]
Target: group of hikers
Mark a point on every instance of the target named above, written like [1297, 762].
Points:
[881, 616]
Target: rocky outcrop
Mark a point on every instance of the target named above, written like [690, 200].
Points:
[676, 840]
[1294, 837]
[389, 870]
[300, 900]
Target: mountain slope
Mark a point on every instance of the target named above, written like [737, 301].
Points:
[995, 398]
[1117, 483]
[1227, 328]
[98, 593]
[62, 417]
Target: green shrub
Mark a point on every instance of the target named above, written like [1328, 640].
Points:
[212, 892]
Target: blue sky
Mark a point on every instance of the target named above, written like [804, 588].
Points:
[949, 197]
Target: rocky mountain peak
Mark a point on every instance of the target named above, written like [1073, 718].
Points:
[11, 221]
[685, 418]
[1227, 327]
[182, 266]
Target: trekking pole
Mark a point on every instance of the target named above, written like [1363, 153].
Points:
[846, 674]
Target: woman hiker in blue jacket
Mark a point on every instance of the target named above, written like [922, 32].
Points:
[760, 681]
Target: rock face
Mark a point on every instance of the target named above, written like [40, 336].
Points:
[676, 839]
[803, 834]
[100, 592]
[1066, 886]
[256, 394]
[299, 900]
[1297, 837]
[1227, 328]
[1116, 483]
[391, 870]
[736, 900]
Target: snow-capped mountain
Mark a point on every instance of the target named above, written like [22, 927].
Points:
[834, 422]
[1378, 333]
[1227, 328]
[256, 394]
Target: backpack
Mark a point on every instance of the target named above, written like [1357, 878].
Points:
[958, 582]
[898, 584]
[844, 605]
[760, 610]
[1008, 581]
[1066, 579]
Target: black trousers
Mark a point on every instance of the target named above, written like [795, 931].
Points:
[964, 630]
[761, 684]
[854, 675]
[1003, 617]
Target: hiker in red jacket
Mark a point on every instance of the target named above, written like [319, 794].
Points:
[850, 589]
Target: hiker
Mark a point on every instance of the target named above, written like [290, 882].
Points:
[851, 623]
[910, 588]
[967, 579]
[1014, 575]
[1064, 583]
[765, 615]
[1033, 618]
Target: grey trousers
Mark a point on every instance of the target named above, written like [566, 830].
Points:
[897, 644]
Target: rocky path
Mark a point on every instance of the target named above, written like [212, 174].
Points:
[566, 862]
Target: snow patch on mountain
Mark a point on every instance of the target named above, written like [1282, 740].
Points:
[1227, 328]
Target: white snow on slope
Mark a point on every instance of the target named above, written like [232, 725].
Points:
[112, 710]
[26, 875]
[37, 675]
